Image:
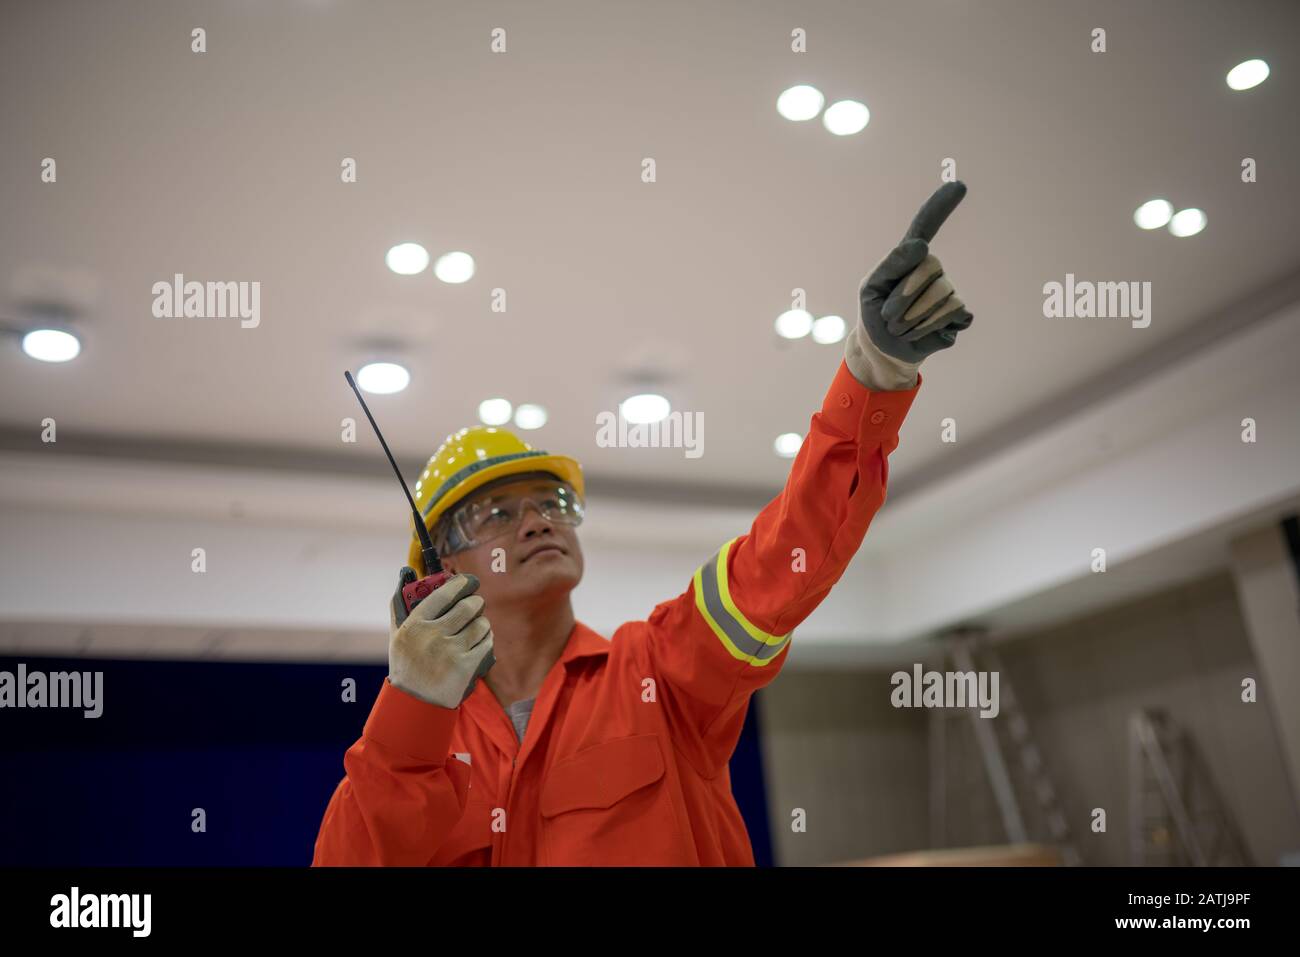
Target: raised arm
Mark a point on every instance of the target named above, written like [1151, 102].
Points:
[727, 634]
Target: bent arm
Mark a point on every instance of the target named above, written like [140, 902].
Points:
[403, 793]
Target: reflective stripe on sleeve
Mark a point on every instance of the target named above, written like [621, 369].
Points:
[737, 634]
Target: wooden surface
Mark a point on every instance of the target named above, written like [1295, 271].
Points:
[1009, 855]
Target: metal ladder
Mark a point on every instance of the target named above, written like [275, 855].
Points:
[1175, 814]
[963, 647]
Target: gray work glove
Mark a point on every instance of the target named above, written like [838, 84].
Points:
[909, 308]
[439, 652]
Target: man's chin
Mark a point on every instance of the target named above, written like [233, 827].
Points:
[548, 572]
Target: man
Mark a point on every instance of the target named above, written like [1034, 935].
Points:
[576, 750]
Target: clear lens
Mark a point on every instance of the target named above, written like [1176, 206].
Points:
[499, 512]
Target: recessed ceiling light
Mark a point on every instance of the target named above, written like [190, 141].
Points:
[787, 444]
[407, 259]
[645, 408]
[1243, 76]
[454, 267]
[1187, 222]
[846, 117]
[51, 345]
[383, 378]
[800, 103]
[1154, 213]
[828, 329]
[529, 416]
[794, 324]
[494, 411]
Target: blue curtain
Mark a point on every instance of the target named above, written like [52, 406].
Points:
[259, 747]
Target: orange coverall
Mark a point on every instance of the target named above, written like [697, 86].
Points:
[625, 759]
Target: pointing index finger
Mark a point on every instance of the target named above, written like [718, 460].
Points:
[936, 209]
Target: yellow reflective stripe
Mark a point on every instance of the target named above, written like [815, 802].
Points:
[708, 618]
[756, 633]
[738, 635]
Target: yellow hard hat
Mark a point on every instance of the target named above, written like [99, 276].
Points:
[468, 460]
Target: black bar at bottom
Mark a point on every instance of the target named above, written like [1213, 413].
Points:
[437, 907]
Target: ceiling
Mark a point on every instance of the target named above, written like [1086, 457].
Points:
[225, 166]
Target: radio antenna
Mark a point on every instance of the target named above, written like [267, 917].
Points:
[431, 564]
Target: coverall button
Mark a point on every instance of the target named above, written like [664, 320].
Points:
[846, 400]
[877, 417]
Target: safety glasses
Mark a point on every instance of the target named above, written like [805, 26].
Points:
[497, 512]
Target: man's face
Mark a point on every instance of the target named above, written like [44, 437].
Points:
[535, 559]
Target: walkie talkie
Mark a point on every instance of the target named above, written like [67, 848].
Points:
[414, 591]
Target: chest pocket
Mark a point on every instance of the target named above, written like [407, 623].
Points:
[602, 775]
[608, 805]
